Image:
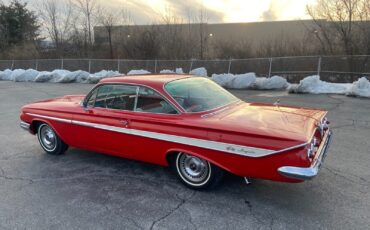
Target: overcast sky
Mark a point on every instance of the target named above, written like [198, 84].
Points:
[148, 11]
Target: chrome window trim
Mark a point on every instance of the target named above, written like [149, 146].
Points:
[136, 98]
[201, 143]
[175, 107]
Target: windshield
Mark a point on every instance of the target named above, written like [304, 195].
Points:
[199, 94]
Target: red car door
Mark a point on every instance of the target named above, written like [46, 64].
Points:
[103, 125]
[153, 116]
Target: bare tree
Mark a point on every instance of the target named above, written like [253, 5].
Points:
[88, 8]
[232, 49]
[343, 26]
[58, 18]
[172, 36]
[108, 19]
[202, 19]
[338, 24]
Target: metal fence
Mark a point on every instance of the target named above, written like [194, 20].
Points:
[330, 68]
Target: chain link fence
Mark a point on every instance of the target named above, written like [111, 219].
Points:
[330, 68]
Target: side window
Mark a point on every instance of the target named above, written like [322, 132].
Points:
[151, 101]
[121, 97]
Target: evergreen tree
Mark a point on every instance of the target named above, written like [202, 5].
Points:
[18, 25]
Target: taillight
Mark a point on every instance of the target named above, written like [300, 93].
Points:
[312, 148]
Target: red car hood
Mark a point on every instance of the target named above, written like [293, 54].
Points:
[63, 104]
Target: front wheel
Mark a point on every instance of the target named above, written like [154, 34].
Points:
[49, 140]
[197, 173]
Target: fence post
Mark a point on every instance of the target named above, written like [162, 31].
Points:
[229, 68]
[270, 67]
[155, 66]
[118, 65]
[191, 65]
[319, 66]
[89, 65]
[36, 64]
[12, 65]
[62, 64]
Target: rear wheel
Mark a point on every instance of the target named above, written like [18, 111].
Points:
[50, 141]
[196, 172]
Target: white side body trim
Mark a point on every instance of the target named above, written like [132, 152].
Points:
[207, 144]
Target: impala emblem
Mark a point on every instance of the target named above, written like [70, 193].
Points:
[240, 150]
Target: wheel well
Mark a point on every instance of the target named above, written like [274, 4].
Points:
[35, 125]
[171, 157]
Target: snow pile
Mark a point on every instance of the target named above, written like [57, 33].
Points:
[5, 75]
[138, 72]
[311, 84]
[360, 88]
[166, 71]
[62, 76]
[28, 75]
[96, 77]
[275, 82]
[243, 81]
[178, 71]
[56, 76]
[223, 80]
[202, 72]
[10, 75]
[249, 81]
[314, 85]
[238, 81]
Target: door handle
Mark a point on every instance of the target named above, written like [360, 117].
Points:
[124, 123]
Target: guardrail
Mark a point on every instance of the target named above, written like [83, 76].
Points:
[330, 68]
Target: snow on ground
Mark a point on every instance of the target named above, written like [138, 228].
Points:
[56, 76]
[249, 81]
[231, 81]
[96, 77]
[314, 85]
[274, 82]
[360, 88]
[202, 72]
[138, 72]
[178, 71]
[310, 84]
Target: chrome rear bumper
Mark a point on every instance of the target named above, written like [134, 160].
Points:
[310, 172]
[25, 126]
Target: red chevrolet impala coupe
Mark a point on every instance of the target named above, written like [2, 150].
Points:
[187, 122]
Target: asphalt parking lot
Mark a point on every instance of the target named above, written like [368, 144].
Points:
[87, 190]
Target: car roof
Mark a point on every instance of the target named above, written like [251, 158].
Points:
[146, 79]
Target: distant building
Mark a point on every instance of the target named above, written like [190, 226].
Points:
[253, 32]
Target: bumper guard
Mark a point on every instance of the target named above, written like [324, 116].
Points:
[26, 126]
[312, 171]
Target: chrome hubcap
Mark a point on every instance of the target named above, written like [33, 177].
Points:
[193, 168]
[48, 138]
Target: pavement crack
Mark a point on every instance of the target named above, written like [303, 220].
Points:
[337, 104]
[4, 176]
[360, 180]
[177, 207]
[272, 220]
[251, 211]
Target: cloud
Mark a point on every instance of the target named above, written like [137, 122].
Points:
[270, 14]
[192, 8]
